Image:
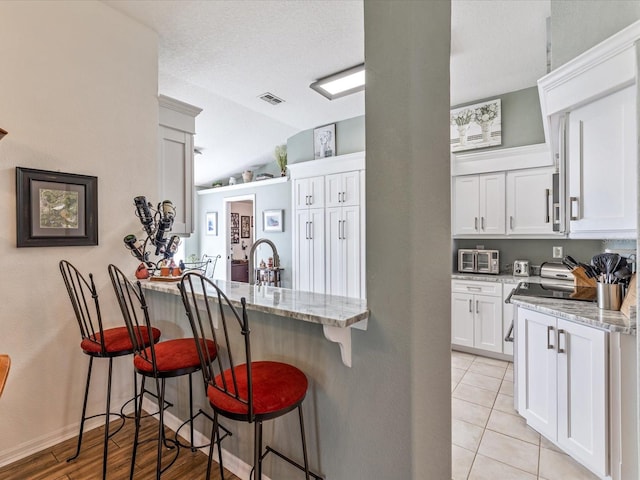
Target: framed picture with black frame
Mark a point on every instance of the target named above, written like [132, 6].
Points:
[55, 209]
[245, 228]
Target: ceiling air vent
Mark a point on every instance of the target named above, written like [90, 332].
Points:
[270, 98]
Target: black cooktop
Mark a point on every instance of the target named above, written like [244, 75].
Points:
[553, 290]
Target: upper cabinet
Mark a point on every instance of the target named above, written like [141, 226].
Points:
[478, 204]
[530, 209]
[518, 197]
[175, 149]
[601, 163]
[589, 116]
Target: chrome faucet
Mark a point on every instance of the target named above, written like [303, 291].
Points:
[276, 258]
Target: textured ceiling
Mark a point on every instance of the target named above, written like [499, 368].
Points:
[221, 55]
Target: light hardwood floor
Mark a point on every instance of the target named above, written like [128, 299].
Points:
[51, 464]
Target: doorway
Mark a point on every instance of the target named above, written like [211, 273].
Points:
[240, 221]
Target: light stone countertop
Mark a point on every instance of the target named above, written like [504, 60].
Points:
[329, 310]
[586, 313]
[502, 278]
[576, 311]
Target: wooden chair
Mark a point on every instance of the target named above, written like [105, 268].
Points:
[237, 387]
[5, 365]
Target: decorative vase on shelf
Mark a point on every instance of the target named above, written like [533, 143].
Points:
[462, 133]
[486, 131]
[247, 176]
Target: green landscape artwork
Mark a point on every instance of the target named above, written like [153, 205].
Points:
[58, 209]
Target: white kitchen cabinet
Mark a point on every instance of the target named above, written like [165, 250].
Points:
[563, 385]
[602, 166]
[309, 192]
[479, 204]
[332, 189]
[476, 315]
[175, 147]
[342, 189]
[309, 259]
[529, 201]
[342, 251]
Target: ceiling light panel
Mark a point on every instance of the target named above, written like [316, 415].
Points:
[342, 83]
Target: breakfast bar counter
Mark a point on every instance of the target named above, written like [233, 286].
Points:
[336, 314]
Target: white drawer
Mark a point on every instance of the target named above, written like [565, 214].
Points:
[482, 288]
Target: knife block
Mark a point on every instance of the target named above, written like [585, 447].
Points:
[580, 278]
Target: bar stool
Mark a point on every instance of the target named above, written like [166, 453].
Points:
[166, 359]
[98, 342]
[251, 391]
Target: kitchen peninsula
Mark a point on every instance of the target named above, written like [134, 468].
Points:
[336, 314]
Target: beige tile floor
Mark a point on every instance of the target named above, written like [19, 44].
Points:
[490, 441]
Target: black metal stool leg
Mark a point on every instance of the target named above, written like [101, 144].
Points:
[107, 417]
[84, 411]
[257, 451]
[138, 409]
[304, 443]
[161, 441]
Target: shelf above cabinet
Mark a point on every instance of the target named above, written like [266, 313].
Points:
[242, 186]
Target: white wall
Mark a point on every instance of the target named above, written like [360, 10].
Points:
[78, 89]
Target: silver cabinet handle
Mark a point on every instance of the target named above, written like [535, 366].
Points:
[573, 200]
[549, 344]
[306, 230]
[546, 201]
[470, 306]
[564, 334]
[475, 224]
[310, 230]
[474, 289]
[510, 222]
[477, 306]
[310, 199]
[339, 229]
[482, 223]
[344, 229]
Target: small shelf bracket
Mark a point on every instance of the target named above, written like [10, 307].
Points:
[342, 336]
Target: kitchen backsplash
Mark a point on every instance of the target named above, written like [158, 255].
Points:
[539, 251]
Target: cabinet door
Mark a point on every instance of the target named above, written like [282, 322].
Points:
[492, 204]
[529, 201]
[466, 217]
[308, 192]
[462, 319]
[582, 394]
[342, 189]
[342, 261]
[316, 250]
[176, 176]
[537, 371]
[487, 327]
[303, 272]
[602, 166]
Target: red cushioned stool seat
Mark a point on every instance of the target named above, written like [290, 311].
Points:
[277, 388]
[172, 356]
[116, 340]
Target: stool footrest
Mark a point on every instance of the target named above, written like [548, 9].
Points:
[268, 450]
[197, 447]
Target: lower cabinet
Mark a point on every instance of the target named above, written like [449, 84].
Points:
[476, 315]
[562, 385]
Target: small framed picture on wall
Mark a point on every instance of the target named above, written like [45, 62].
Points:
[211, 223]
[273, 220]
[324, 141]
[245, 229]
